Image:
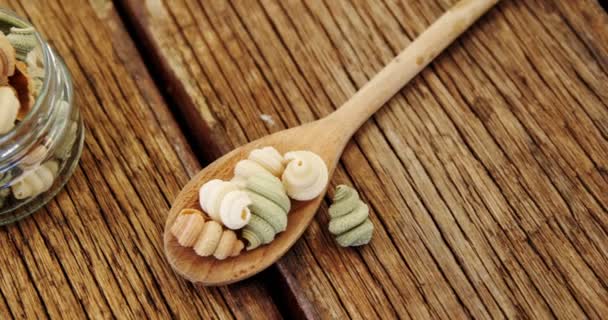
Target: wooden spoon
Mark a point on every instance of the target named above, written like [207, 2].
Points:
[327, 137]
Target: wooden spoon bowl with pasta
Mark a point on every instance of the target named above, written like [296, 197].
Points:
[211, 271]
[326, 137]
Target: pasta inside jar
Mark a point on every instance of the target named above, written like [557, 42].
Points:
[41, 131]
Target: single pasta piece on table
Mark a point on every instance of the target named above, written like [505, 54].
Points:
[349, 218]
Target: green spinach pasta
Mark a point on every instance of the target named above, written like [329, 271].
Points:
[349, 218]
[269, 208]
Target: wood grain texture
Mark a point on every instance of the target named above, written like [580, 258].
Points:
[486, 176]
[342, 123]
[96, 249]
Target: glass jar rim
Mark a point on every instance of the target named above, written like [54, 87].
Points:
[46, 57]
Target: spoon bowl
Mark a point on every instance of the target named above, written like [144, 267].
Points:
[326, 137]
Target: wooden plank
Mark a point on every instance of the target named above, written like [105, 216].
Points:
[486, 176]
[96, 249]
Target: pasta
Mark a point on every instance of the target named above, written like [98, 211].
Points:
[23, 40]
[257, 232]
[188, 226]
[269, 208]
[234, 211]
[225, 245]
[208, 239]
[7, 59]
[224, 202]
[9, 108]
[23, 85]
[305, 176]
[205, 237]
[36, 181]
[349, 218]
[216, 241]
[270, 159]
[266, 160]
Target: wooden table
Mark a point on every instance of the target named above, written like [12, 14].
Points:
[487, 176]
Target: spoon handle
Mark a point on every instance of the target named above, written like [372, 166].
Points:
[374, 94]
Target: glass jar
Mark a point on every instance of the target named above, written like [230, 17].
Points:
[39, 154]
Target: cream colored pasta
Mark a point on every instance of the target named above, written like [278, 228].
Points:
[225, 246]
[9, 108]
[216, 241]
[305, 176]
[349, 218]
[36, 181]
[238, 247]
[270, 159]
[188, 226]
[208, 239]
[224, 202]
[266, 160]
[234, 211]
[269, 208]
[211, 194]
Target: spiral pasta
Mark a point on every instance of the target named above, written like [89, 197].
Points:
[349, 218]
[188, 226]
[9, 108]
[36, 181]
[269, 208]
[265, 160]
[216, 241]
[205, 237]
[305, 176]
[234, 211]
[224, 202]
[7, 59]
[23, 40]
